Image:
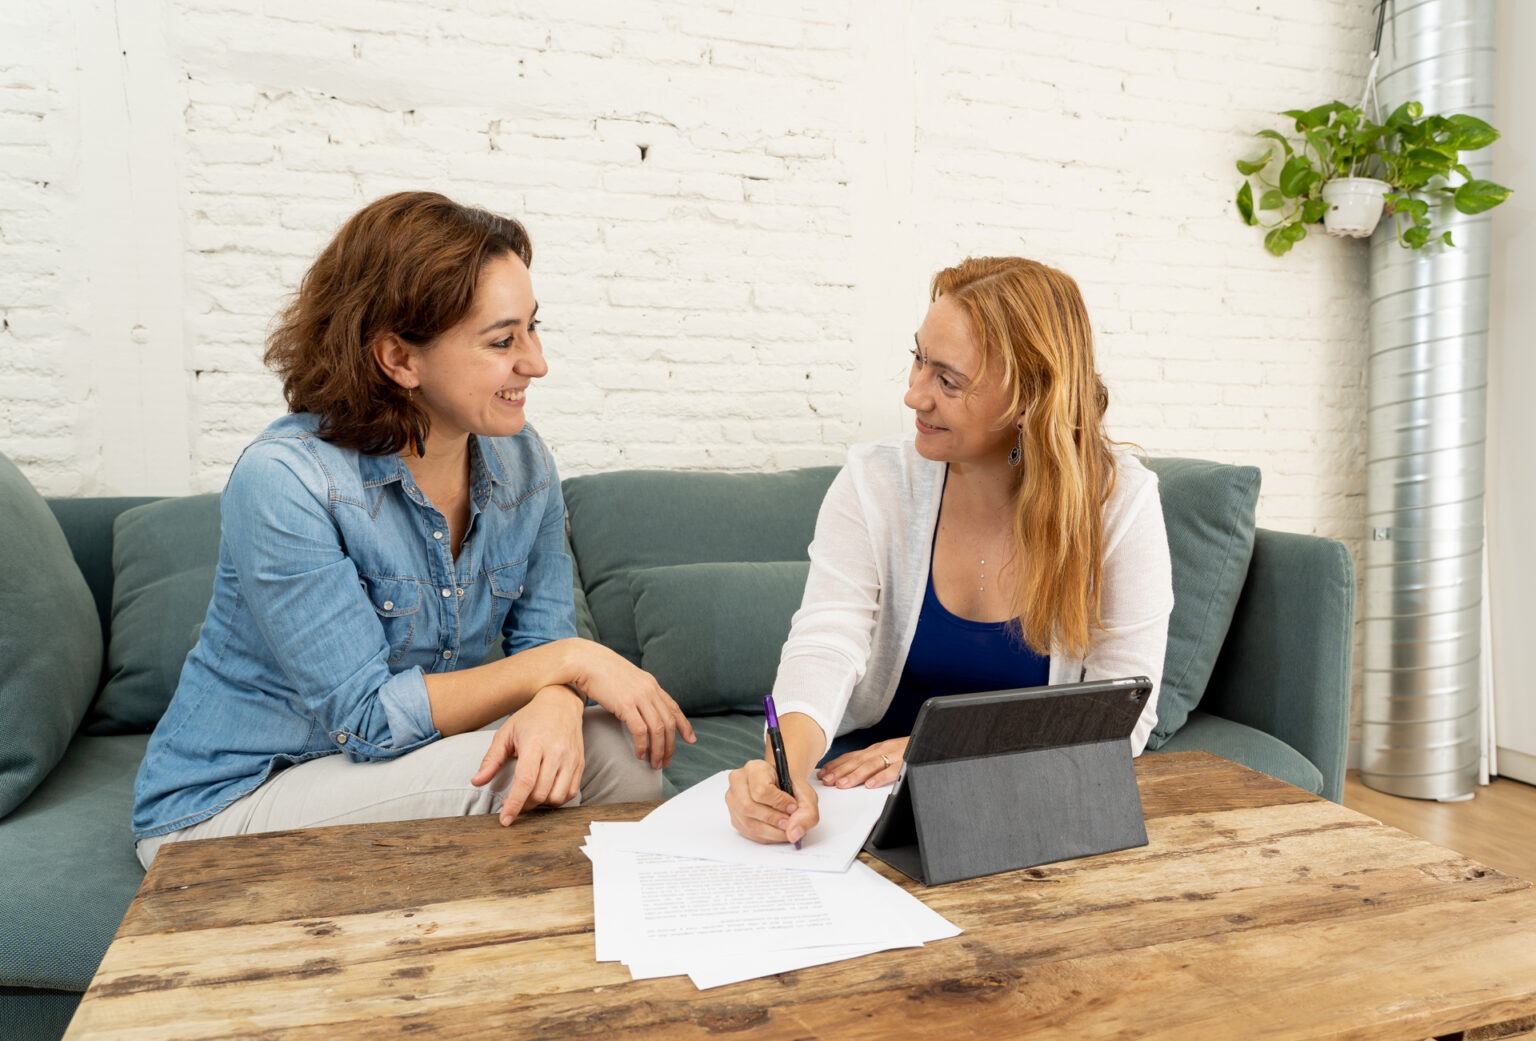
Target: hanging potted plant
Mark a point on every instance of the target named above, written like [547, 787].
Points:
[1341, 169]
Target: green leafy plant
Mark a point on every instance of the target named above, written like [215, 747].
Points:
[1416, 155]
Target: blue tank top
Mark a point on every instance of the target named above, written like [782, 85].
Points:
[950, 655]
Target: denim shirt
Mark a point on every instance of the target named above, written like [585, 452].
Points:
[336, 591]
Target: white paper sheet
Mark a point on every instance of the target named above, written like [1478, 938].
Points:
[719, 922]
[695, 823]
[668, 906]
[751, 965]
[681, 893]
[912, 924]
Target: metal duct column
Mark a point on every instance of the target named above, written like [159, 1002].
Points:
[1424, 455]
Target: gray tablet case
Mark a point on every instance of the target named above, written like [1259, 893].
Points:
[1011, 779]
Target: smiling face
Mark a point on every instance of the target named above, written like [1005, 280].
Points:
[959, 420]
[473, 379]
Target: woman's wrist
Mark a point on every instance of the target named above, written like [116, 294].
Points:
[552, 664]
[804, 743]
[562, 693]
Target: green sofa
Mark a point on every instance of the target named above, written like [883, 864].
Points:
[693, 575]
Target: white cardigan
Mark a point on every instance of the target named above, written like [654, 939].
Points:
[870, 557]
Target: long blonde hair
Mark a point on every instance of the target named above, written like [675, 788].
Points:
[1031, 318]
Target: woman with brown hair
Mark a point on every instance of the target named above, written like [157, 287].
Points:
[1007, 544]
[378, 543]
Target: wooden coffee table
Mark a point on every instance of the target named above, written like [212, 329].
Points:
[1256, 911]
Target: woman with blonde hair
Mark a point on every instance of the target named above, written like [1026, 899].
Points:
[1008, 543]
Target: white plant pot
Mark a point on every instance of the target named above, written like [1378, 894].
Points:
[1354, 205]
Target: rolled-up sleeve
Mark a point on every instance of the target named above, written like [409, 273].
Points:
[407, 718]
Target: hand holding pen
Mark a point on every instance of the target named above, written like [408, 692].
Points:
[764, 803]
[776, 743]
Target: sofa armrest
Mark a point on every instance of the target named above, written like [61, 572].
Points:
[1285, 665]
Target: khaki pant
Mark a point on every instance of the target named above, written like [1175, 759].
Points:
[432, 781]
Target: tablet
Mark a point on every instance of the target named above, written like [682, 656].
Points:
[964, 726]
[1007, 779]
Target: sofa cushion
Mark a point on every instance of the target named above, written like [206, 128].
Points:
[37, 1015]
[43, 600]
[586, 628]
[1244, 744]
[711, 633]
[87, 526]
[70, 869]
[163, 559]
[724, 743]
[1208, 511]
[629, 520]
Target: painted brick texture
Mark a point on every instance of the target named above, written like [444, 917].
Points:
[735, 207]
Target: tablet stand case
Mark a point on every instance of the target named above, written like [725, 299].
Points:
[962, 818]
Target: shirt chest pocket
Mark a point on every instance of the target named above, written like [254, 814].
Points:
[397, 603]
[506, 584]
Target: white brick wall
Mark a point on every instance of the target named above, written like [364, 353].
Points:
[1101, 139]
[38, 147]
[739, 297]
[735, 208]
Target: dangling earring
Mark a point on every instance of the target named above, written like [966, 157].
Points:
[418, 442]
[1017, 451]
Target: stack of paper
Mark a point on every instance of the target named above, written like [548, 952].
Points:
[681, 893]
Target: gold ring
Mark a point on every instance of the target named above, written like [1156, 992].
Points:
[885, 759]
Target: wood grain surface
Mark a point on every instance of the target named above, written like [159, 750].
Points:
[1255, 911]
[1497, 826]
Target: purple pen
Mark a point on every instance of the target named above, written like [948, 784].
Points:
[776, 743]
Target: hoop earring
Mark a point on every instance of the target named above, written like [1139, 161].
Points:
[1017, 451]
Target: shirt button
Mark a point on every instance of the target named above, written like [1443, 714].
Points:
[341, 739]
[437, 535]
[447, 592]
[447, 654]
[389, 605]
[458, 592]
[519, 590]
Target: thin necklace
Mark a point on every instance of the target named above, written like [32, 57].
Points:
[981, 586]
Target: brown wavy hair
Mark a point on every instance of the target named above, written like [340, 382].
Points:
[407, 264]
[1030, 319]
